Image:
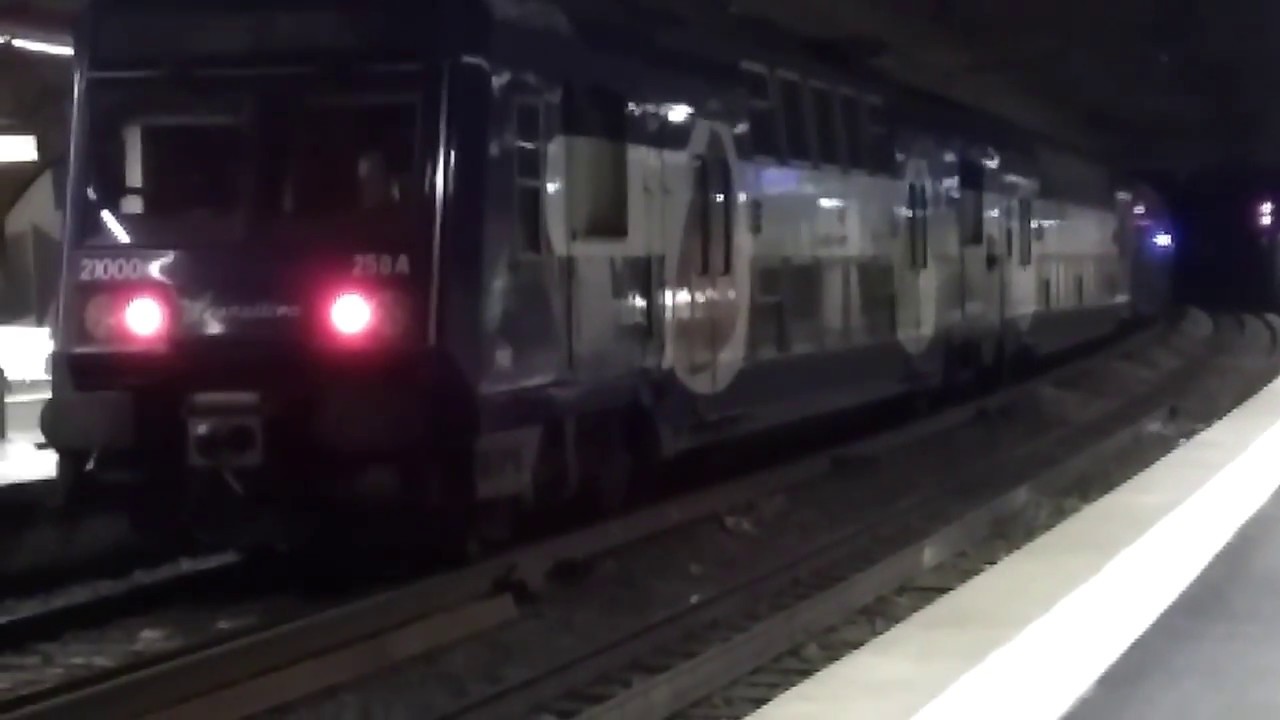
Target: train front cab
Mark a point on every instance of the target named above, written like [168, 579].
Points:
[247, 307]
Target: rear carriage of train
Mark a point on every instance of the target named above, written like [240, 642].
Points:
[717, 248]
[1149, 237]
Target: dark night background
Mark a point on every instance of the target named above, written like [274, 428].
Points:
[1224, 257]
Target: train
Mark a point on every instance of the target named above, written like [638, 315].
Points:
[373, 266]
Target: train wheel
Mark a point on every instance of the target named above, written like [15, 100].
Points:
[951, 386]
[156, 509]
[619, 461]
[441, 490]
[72, 482]
[610, 477]
[992, 374]
[497, 523]
[966, 365]
[1028, 359]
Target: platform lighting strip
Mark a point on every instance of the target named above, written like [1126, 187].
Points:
[1047, 668]
[18, 149]
[24, 356]
[37, 46]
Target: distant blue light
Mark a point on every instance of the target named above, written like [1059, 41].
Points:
[779, 181]
[1162, 239]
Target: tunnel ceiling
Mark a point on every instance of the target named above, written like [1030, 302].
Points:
[1161, 84]
[1158, 85]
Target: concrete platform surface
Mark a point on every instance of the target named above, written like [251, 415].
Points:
[22, 416]
[22, 463]
[1028, 638]
[1216, 652]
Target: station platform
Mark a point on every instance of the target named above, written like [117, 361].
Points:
[1159, 600]
[1215, 652]
[24, 353]
[22, 416]
[22, 461]
[24, 356]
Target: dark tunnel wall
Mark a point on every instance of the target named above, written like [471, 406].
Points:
[1225, 259]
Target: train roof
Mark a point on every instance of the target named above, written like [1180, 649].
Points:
[706, 42]
[715, 40]
[148, 34]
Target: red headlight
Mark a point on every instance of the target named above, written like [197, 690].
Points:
[368, 318]
[131, 318]
[145, 317]
[351, 314]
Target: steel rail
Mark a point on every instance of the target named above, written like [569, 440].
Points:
[819, 602]
[429, 614]
[577, 689]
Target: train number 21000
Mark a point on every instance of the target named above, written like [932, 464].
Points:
[109, 269]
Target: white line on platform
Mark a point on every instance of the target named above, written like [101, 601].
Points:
[26, 398]
[22, 463]
[1044, 670]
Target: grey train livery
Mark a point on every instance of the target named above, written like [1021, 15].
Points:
[509, 253]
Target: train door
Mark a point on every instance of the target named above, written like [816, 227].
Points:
[975, 309]
[1125, 242]
[1022, 270]
[706, 262]
[997, 246]
[1009, 212]
[638, 271]
[599, 229]
[915, 296]
[912, 314]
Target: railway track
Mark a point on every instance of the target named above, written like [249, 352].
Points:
[49, 614]
[827, 609]
[831, 527]
[669, 665]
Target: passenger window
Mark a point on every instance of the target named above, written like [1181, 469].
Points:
[918, 226]
[705, 214]
[757, 84]
[528, 140]
[924, 225]
[878, 137]
[911, 225]
[1007, 221]
[971, 178]
[763, 115]
[595, 112]
[198, 164]
[851, 122]
[1024, 231]
[724, 204]
[375, 141]
[713, 179]
[824, 121]
[794, 121]
[528, 151]
[528, 120]
[595, 123]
